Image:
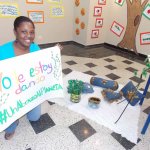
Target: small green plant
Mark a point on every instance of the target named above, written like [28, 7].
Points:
[75, 87]
[145, 70]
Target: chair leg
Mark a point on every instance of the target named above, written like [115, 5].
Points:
[145, 91]
[146, 125]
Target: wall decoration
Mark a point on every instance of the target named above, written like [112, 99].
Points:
[116, 28]
[95, 33]
[56, 11]
[102, 2]
[82, 11]
[97, 11]
[77, 2]
[145, 38]
[36, 16]
[133, 21]
[119, 2]
[77, 20]
[9, 10]
[34, 1]
[82, 25]
[146, 11]
[55, 1]
[28, 85]
[99, 22]
[77, 31]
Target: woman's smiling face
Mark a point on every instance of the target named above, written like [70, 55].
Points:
[25, 34]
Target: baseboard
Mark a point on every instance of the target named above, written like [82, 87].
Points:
[106, 45]
[127, 51]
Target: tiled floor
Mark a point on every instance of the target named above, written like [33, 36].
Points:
[62, 129]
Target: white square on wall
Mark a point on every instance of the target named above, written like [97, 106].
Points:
[95, 33]
[102, 2]
[117, 28]
[99, 22]
[97, 11]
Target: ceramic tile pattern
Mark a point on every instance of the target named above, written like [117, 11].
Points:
[62, 129]
[82, 130]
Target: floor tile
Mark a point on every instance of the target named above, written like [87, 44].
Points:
[112, 76]
[60, 135]
[136, 79]
[42, 124]
[82, 130]
[90, 65]
[109, 60]
[147, 94]
[66, 71]
[127, 62]
[131, 69]
[123, 141]
[90, 73]
[147, 110]
[110, 67]
[71, 62]
[51, 103]
[92, 55]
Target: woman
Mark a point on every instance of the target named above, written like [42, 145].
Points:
[24, 31]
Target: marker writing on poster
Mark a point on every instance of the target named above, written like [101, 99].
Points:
[8, 113]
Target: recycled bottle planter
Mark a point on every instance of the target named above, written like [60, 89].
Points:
[111, 95]
[75, 96]
[103, 83]
[75, 88]
[94, 102]
[131, 93]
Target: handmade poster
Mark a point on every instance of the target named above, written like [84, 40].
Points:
[36, 16]
[97, 11]
[9, 10]
[34, 1]
[95, 33]
[56, 11]
[55, 1]
[146, 11]
[119, 2]
[28, 80]
[116, 28]
[99, 22]
[145, 38]
[102, 2]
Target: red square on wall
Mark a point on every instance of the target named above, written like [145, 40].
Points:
[95, 33]
[97, 11]
[99, 22]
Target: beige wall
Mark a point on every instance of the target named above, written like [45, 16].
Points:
[91, 23]
[53, 30]
[63, 29]
[81, 38]
[119, 14]
[85, 35]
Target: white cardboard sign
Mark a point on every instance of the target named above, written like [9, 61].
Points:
[28, 80]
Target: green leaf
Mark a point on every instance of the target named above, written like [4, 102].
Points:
[135, 73]
[144, 73]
